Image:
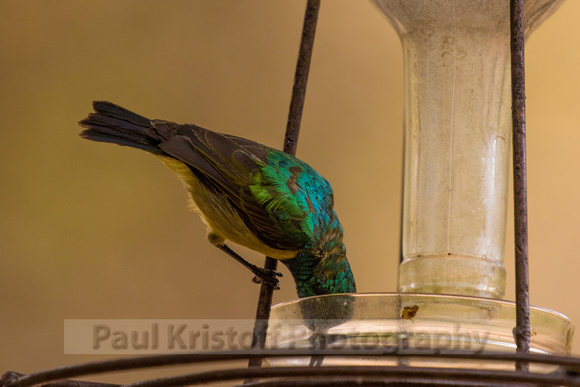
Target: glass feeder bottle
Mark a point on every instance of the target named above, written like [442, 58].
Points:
[457, 140]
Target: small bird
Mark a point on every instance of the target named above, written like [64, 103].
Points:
[246, 193]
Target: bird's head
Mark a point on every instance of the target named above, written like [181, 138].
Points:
[315, 275]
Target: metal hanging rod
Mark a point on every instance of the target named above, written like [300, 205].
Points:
[518, 79]
[290, 144]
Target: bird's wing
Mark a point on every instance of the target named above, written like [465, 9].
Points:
[294, 196]
[281, 199]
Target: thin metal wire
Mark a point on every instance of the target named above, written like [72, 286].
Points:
[374, 382]
[301, 76]
[290, 144]
[426, 373]
[522, 329]
[569, 367]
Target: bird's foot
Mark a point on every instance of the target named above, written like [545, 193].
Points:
[267, 276]
[261, 275]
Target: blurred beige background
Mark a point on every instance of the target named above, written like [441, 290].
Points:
[98, 231]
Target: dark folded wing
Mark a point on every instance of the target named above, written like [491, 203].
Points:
[281, 199]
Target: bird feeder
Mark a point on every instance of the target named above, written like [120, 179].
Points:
[458, 141]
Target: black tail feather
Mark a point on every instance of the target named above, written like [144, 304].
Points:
[105, 108]
[114, 124]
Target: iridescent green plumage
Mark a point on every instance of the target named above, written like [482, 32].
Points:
[248, 193]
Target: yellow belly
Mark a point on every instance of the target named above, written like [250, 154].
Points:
[218, 215]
